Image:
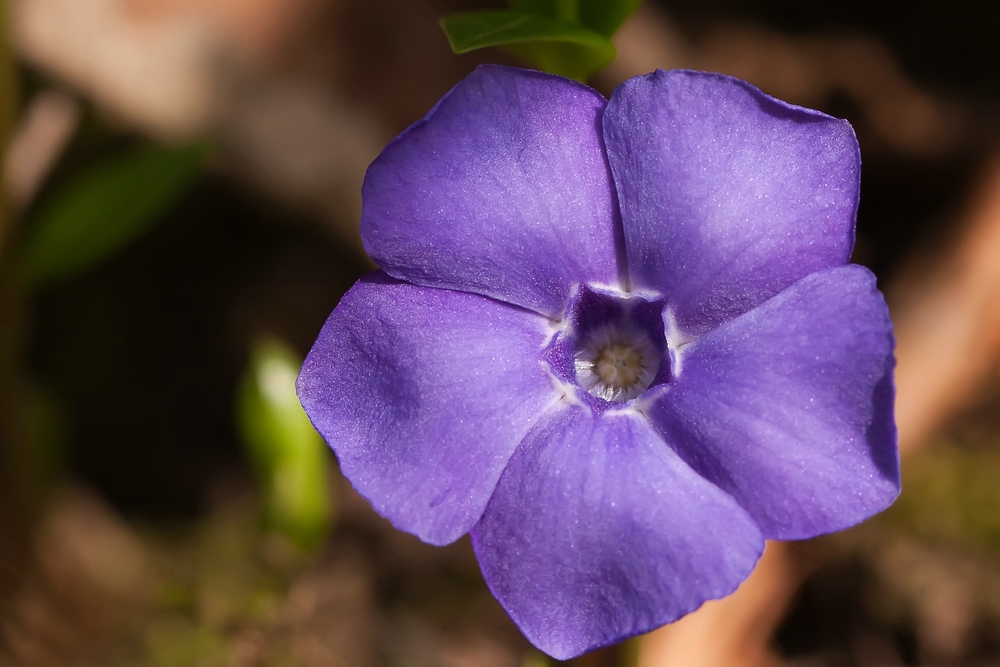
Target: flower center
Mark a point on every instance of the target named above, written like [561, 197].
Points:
[616, 362]
[609, 348]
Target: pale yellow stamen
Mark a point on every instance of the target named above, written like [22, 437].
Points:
[619, 365]
[616, 362]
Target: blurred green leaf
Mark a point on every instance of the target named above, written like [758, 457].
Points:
[950, 494]
[602, 16]
[563, 58]
[564, 10]
[535, 659]
[287, 453]
[550, 44]
[103, 209]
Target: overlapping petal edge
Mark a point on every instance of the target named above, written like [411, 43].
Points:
[488, 216]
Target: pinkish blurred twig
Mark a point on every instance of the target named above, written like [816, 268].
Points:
[43, 132]
[948, 319]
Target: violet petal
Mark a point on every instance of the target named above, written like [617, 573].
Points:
[727, 195]
[789, 407]
[502, 190]
[424, 394]
[598, 531]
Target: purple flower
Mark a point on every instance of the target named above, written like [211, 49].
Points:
[618, 341]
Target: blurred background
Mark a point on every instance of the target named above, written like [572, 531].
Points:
[181, 195]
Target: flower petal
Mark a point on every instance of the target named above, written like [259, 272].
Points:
[423, 395]
[727, 196]
[597, 532]
[789, 407]
[503, 190]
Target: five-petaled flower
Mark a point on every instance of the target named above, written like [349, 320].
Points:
[618, 341]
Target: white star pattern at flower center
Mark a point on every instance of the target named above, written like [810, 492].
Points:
[616, 362]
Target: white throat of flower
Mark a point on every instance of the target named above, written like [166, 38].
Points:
[616, 362]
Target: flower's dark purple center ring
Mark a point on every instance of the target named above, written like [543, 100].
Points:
[610, 348]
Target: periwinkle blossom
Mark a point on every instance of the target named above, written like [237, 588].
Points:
[618, 341]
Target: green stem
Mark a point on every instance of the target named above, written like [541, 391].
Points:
[14, 443]
[9, 94]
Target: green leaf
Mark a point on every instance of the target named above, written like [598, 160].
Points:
[105, 208]
[565, 59]
[550, 44]
[602, 16]
[564, 10]
[287, 453]
[475, 30]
